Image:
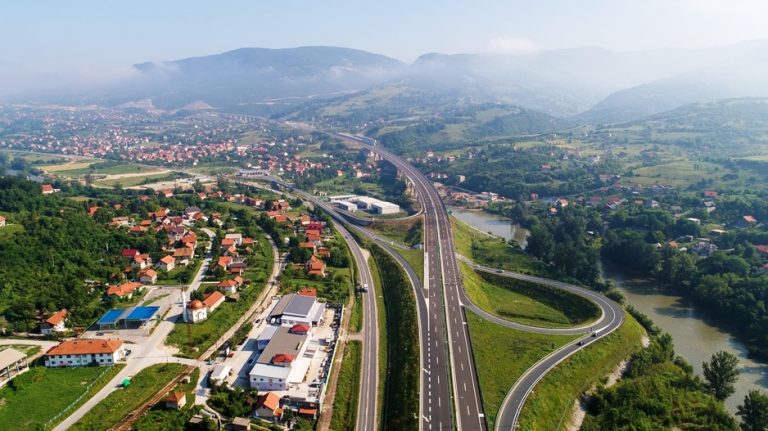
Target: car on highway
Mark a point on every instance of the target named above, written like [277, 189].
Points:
[363, 288]
[499, 271]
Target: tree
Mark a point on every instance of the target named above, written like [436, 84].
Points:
[721, 373]
[754, 412]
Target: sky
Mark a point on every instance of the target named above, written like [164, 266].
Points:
[50, 42]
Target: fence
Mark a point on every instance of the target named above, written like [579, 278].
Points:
[74, 403]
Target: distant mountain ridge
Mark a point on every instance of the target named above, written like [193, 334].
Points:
[585, 85]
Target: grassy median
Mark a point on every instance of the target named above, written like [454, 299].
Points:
[502, 355]
[345, 403]
[550, 405]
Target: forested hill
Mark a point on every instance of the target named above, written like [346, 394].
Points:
[468, 127]
[48, 249]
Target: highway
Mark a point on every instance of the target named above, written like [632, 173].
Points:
[451, 382]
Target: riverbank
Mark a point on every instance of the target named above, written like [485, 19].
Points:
[491, 223]
[696, 336]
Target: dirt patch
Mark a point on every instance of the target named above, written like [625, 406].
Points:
[579, 410]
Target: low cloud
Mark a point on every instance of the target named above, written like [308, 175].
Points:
[511, 45]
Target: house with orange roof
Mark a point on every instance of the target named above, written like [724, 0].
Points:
[175, 400]
[309, 246]
[308, 291]
[167, 263]
[224, 262]
[228, 286]
[184, 255]
[2, 221]
[85, 352]
[315, 266]
[212, 301]
[125, 290]
[55, 323]
[324, 252]
[268, 407]
[47, 189]
[148, 276]
[141, 261]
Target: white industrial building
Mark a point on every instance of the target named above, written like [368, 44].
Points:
[381, 207]
[347, 206]
[281, 362]
[292, 309]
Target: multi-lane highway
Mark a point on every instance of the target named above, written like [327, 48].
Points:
[450, 395]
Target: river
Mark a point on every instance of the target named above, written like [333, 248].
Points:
[492, 223]
[696, 337]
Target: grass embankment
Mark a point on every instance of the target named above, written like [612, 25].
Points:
[159, 418]
[356, 315]
[508, 303]
[133, 181]
[502, 355]
[118, 404]
[381, 313]
[407, 232]
[34, 398]
[549, 406]
[401, 393]
[536, 302]
[345, 402]
[494, 251]
[415, 258]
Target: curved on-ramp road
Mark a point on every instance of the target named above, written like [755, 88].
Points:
[611, 319]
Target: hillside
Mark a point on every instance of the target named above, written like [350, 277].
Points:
[466, 127]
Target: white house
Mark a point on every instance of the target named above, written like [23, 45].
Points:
[2, 221]
[84, 352]
[167, 263]
[55, 323]
[148, 276]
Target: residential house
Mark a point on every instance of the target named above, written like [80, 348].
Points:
[85, 352]
[175, 400]
[308, 291]
[125, 290]
[228, 286]
[148, 276]
[55, 323]
[224, 262]
[47, 189]
[309, 245]
[184, 255]
[191, 211]
[213, 300]
[315, 266]
[2, 221]
[748, 221]
[12, 363]
[130, 253]
[237, 239]
[141, 261]
[167, 263]
[268, 407]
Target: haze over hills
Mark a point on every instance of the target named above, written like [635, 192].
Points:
[591, 85]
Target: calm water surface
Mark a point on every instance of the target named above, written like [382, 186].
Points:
[696, 337]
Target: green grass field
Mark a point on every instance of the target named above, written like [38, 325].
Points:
[122, 401]
[345, 402]
[502, 355]
[356, 315]
[415, 258]
[549, 406]
[509, 304]
[492, 251]
[130, 181]
[117, 169]
[160, 418]
[42, 393]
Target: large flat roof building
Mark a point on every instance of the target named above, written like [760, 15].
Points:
[12, 363]
[276, 367]
[293, 308]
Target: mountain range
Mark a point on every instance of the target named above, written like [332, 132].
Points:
[585, 85]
